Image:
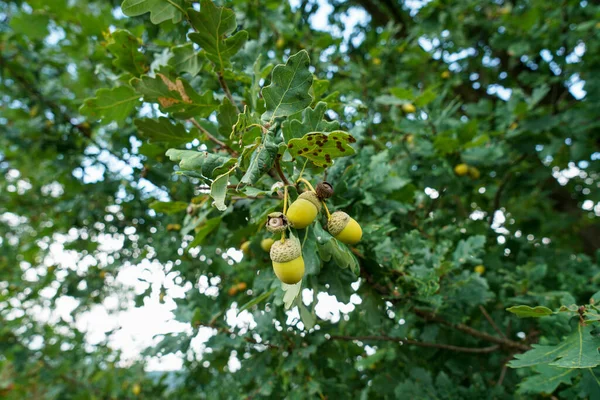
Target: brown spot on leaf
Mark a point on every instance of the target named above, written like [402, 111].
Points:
[290, 146]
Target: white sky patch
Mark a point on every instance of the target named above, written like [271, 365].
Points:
[432, 193]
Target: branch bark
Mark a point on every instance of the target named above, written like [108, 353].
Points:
[474, 350]
[227, 91]
[504, 342]
[212, 138]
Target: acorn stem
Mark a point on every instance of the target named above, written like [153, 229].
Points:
[307, 183]
[285, 199]
[303, 167]
[326, 210]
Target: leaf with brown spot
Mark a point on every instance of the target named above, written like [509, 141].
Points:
[175, 96]
[321, 151]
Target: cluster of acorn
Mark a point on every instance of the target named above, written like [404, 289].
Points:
[464, 169]
[286, 254]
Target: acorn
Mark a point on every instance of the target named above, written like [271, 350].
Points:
[408, 108]
[461, 169]
[266, 244]
[344, 228]
[245, 247]
[304, 210]
[288, 263]
[324, 190]
[474, 173]
[277, 222]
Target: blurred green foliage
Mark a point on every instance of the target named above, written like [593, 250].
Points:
[169, 126]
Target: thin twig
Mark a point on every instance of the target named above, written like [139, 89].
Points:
[475, 350]
[502, 374]
[248, 339]
[280, 172]
[227, 91]
[501, 187]
[212, 138]
[491, 321]
[473, 332]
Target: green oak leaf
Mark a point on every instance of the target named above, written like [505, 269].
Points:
[124, 46]
[34, 26]
[312, 262]
[175, 97]
[322, 147]
[469, 250]
[257, 300]
[290, 293]
[160, 10]
[213, 24]
[111, 104]
[244, 122]
[186, 59]
[261, 161]
[206, 163]
[227, 118]
[332, 250]
[163, 131]
[204, 230]
[288, 91]
[523, 311]
[169, 207]
[547, 379]
[218, 190]
[312, 121]
[578, 350]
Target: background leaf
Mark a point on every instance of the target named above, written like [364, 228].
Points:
[159, 10]
[111, 104]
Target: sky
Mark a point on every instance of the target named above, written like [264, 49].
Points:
[139, 326]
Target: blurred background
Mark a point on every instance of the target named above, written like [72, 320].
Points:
[99, 288]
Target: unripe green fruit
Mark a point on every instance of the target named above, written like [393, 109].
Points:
[408, 108]
[266, 244]
[474, 173]
[288, 263]
[344, 228]
[461, 169]
[304, 210]
[245, 247]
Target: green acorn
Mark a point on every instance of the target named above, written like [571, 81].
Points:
[344, 228]
[288, 263]
[304, 210]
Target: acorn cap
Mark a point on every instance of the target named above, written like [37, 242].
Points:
[337, 222]
[277, 222]
[324, 190]
[312, 197]
[288, 250]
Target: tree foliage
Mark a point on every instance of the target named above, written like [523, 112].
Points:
[177, 127]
